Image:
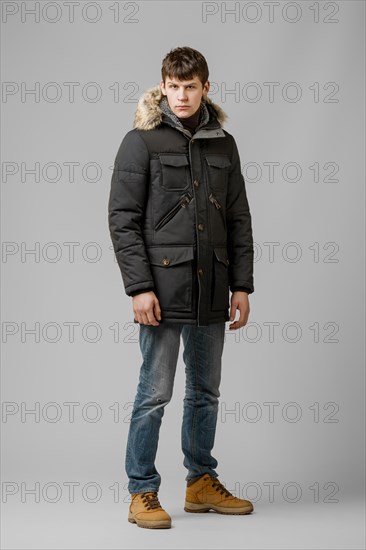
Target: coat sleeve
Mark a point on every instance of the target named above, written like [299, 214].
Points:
[239, 229]
[126, 210]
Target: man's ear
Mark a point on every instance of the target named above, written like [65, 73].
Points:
[206, 88]
[162, 87]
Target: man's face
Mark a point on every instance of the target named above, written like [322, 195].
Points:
[184, 96]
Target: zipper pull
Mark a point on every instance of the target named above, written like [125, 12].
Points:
[186, 200]
[214, 201]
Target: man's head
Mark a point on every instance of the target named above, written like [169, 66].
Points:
[184, 80]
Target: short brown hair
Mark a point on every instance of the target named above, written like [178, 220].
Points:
[184, 63]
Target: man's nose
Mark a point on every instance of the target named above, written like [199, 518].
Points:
[182, 95]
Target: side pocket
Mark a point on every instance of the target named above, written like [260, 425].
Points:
[171, 268]
[183, 202]
[220, 280]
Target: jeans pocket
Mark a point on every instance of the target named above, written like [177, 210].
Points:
[171, 267]
[220, 280]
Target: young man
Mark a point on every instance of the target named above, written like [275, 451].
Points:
[181, 229]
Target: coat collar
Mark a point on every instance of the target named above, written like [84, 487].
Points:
[148, 114]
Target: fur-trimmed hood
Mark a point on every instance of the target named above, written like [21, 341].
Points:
[148, 114]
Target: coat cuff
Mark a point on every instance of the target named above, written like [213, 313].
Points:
[134, 293]
[243, 288]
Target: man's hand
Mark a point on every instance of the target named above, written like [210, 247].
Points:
[146, 308]
[240, 301]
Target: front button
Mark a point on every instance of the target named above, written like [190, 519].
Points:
[196, 183]
[201, 226]
[166, 261]
[200, 271]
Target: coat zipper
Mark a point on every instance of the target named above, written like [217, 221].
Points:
[214, 201]
[197, 236]
[184, 201]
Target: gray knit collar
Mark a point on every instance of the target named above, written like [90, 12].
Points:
[203, 119]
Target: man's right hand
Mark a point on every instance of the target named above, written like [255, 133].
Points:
[146, 308]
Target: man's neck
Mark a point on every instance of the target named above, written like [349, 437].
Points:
[191, 122]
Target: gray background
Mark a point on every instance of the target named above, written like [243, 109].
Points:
[311, 368]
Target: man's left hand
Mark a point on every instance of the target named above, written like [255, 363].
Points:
[240, 301]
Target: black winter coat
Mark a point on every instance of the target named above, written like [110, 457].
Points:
[179, 217]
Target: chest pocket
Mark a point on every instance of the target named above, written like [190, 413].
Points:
[218, 168]
[175, 174]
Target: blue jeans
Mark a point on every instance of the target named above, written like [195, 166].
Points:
[203, 347]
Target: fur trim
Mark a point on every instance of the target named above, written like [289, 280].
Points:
[148, 114]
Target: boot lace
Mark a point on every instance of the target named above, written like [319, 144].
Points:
[151, 500]
[216, 484]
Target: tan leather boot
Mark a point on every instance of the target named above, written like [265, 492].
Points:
[146, 511]
[207, 493]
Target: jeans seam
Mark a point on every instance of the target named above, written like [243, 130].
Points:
[194, 419]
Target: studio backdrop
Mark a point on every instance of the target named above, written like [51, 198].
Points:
[290, 433]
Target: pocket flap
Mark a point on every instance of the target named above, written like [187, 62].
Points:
[174, 160]
[221, 255]
[168, 255]
[220, 161]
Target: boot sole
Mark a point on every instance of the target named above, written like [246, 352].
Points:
[202, 508]
[157, 524]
